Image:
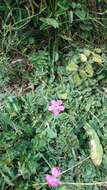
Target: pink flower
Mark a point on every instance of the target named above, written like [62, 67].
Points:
[52, 181]
[56, 107]
[55, 171]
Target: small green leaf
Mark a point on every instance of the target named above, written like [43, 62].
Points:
[71, 16]
[72, 67]
[56, 56]
[97, 58]
[83, 74]
[63, 96]
[73, 4]
[87, 52]
[50, 21]
[80, 13]
[98, 50]
[76, 80]
[89, 70]
[51, 133]
[83, 57]
[7, 180]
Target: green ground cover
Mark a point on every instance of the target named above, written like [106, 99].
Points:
[53, 50]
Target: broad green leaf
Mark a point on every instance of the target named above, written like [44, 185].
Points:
[89, 70]
[50, 21]
[83, 57]
[96, 150]
[72, 67]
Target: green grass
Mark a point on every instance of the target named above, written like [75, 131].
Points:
[32, 140]
[53, 50]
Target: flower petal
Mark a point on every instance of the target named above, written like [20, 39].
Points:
[55, 171]
[53, 102]
[56, 107]
[59, 102]
[52, 181]
[56, 112]
[61, 108]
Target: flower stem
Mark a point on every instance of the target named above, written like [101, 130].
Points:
[75, 165]
[86, 184]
